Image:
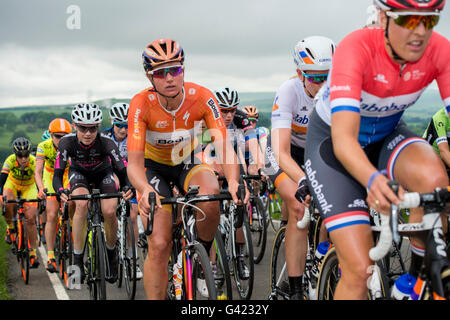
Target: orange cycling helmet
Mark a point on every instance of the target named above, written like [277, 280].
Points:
[160, 52]
[251, 111]
[59, 125]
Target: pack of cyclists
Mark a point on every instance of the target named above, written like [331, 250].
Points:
[336, 137]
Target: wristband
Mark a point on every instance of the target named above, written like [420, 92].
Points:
[373, 176]
[301, 180]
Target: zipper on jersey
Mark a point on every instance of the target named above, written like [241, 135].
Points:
[402, 67]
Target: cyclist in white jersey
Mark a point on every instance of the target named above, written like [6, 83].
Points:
[290, 116]
[118, 133]
[356, 135]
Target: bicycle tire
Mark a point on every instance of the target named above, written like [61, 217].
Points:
[222, 277]
[68, 250]
[23, 251]
[328, 276]
[200, 264]
[277, 265]
[129, 263]
[97, 265]
[258, 229]
[245, 286]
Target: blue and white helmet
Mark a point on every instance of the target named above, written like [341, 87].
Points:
[314, 53]
[119, 112]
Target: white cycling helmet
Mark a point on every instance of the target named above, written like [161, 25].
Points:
[119, 112]
[227, 97]
[87, 113]
[314, 53]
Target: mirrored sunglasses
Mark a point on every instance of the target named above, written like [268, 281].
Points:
[121, 125]
[162, 72]
[410, 20]
[316, 78]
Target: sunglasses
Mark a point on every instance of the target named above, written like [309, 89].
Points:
[252, 120]
[121, 125]
[316, 78]
[161, 73]
[22, 154]
[410, 20]
[84, 129]
[58, 136]
[228, 110]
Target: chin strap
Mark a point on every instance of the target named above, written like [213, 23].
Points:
[386, 34]
[306, 89]
[163, 95]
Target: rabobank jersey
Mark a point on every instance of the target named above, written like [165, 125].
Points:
[364, 79]
[291, 109]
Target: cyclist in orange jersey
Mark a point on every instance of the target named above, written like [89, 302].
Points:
[161, 140]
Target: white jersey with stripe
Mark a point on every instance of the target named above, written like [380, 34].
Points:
[291, 109]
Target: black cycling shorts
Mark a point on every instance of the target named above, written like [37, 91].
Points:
[103, 180]
[161, 176]
[339, 197]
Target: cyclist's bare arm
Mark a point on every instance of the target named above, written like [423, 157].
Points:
[281, 144]
[255, 151]
[136, 175]
[38, 174]
[344, 132]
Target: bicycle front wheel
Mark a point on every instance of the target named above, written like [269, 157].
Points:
[222, 276]
[129, 258]
[258, 228]
[279, 282]
[97, 265]
[23, 251]
[244, 263]
[202, 279]
[329, 276]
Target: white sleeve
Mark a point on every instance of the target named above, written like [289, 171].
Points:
[285, 101]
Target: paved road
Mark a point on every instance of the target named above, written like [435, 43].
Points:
[45, 286]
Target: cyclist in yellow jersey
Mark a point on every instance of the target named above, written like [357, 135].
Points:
[17, 175]
[45, 162]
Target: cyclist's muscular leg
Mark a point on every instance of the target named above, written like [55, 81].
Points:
[79, 219]
[50, 226]
[109, 214]
[296, 240]
[418, 168]
[352, 247]
[30, 215]
[159, 246]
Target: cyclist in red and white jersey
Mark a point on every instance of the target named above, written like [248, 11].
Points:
[356, 133]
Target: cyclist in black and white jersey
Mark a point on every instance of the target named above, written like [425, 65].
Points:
[93, 159]
[118, 133]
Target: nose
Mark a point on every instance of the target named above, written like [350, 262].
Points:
[420, 28]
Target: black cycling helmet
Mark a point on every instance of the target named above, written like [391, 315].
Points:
[21, 145]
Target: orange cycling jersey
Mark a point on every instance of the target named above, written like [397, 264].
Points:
[168, 137]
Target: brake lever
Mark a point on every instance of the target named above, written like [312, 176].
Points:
[393, 222]
[152, 202]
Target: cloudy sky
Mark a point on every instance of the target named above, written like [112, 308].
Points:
[79, 50]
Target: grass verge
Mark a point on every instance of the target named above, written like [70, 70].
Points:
[4, 264]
